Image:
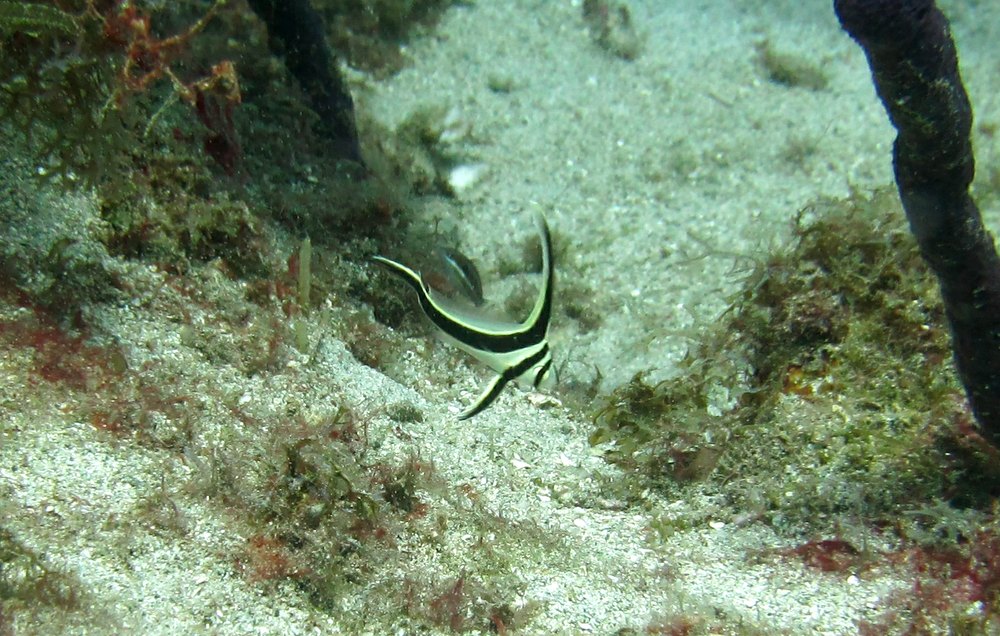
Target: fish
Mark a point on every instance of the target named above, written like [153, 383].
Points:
[515, 351]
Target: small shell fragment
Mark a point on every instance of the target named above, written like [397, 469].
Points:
[543, 401]
[464, 176]
[519, 463]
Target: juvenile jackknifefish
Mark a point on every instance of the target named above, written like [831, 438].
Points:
[514, 350]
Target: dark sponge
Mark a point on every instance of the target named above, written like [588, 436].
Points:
[915, 69]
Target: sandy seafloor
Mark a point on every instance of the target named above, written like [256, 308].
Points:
[655, 172]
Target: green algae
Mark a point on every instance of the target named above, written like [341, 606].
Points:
[826, 389]
[788, 69]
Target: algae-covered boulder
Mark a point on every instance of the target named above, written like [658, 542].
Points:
[51, 248]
